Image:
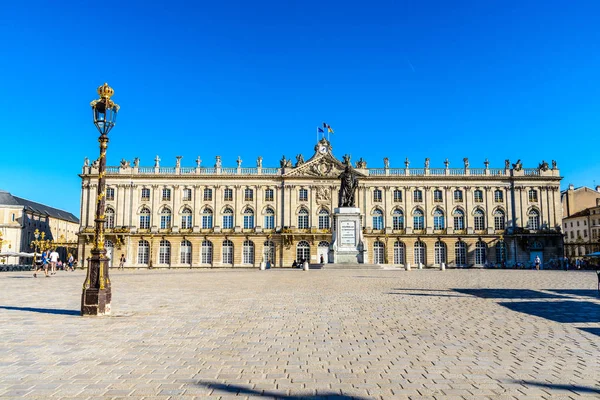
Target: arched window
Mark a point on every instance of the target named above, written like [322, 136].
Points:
[438, 219]
[185, 253]
[186, 218]
[109, 218]
[228, 218]
[323, 251]
[207, 218]
[248, 218]
[269, 251]
[303, 251]
[269, 218]
[480, 248]
[499, 224]
[377, 219]
[164, 252]
[143, 252]
[418, 220]
[206, 252]
[165, 218]
[398, 219]
[378, 253]
[500, 251]
[534, 220]
[459, 220]
[399, 253]
[440, 252]
[419, 250]
[323, 219]
[303, 219]
[460, 253]
[145, 218]
[227, 252]
[478, 220]
[248, 252]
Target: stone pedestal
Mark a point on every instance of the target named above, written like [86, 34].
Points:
[347, 241]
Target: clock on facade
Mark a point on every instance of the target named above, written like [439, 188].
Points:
[322, 149]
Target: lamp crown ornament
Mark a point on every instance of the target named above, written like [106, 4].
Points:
[105, 92]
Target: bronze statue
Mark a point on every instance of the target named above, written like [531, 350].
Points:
[349, 183]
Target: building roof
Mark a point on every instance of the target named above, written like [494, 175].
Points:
[8, 199]
[582, 213]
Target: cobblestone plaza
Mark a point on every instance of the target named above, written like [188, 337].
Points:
[388, 334]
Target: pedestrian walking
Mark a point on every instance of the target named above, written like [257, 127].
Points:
[537, 262]
[44, 261]
[53, 260]
[122, 262]
[70, 262]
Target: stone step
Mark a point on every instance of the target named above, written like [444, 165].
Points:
[350, 266]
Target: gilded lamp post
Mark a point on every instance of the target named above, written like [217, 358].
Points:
[96, 296]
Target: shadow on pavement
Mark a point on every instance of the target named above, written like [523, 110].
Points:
[575, 388]
[43, 310]
[593, 331]
[576, 292]
[235, 389]
[558, 311]
[509, 294]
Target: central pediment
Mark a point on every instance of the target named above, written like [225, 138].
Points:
[321, 165]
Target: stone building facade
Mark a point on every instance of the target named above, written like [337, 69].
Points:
[239, 217]
[582, 232]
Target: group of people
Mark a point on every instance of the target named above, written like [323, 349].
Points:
[51, 260]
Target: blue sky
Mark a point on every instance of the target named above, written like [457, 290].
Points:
[397, 79]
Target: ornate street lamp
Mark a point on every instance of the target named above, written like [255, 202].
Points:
[96, 296]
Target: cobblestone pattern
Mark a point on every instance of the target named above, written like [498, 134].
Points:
[457, 334]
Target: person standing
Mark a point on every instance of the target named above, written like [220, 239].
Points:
[122, 262]
[53, 260]
[537, 262]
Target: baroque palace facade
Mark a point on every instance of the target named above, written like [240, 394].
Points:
[239, 217]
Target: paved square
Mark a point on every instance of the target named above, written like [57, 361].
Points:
[292, 334]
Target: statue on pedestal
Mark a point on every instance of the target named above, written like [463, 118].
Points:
[349, 183]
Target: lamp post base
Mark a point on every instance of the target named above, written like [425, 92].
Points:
[95, 301]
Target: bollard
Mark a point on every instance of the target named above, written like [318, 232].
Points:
[262, 266]
[420, 266]
[407, 266]
[305, 265]
[443, 266]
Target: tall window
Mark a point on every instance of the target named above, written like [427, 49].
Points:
[303, 195]
[533, 197]
[303, 251]
[377, 219]
[534, 220]
[459, 220]
[269, 195]
[110, 193]
[419, 250]
[145, 218]
[438, 219]
[458, 196]
[166, 194]
[397, 196]
[207, 194]
[377, 195]
[378, 253]
[228, 218]
[478, 220]
[498, 196]
[187, 194]
[227, 252]
[186, 219]
[228, 195]
[440, 252]
[499, 219]
[500, 251]
[303, 219]
[478, 196]
[165, 218]
[185, 253]
[399, 253]
[145, 194]
[418, 220]
[418, 196]
[460, 253]
[164, 252]
[248, 218]
[248, 252]
[398, 219]
[206, 252]
[143, 252]
[207, 219]
[269, 251]
[323, 219]
[109, 218]
[437, 196]
[480, 253]
[269, 219]
[248, 194]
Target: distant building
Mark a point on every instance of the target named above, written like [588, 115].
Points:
[575, 200]
[216, 216]
[582, 232]
[19, 218]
